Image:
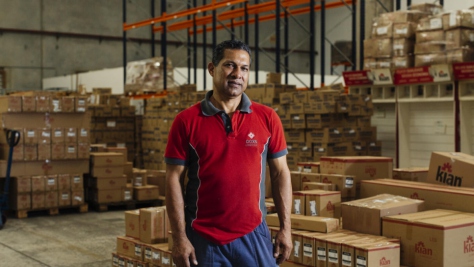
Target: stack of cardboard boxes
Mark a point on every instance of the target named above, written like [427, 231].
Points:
[322, 123]
[422, 36]
[53, 152]
[106, 180]
[146, 241]
[112, 120]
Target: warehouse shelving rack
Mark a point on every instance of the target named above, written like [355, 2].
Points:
[238, 17]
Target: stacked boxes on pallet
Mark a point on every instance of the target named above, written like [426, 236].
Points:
[422, 36]
[146, 241]
[53, 152]
[112, 120]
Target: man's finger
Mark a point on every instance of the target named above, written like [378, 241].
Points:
[193, 259]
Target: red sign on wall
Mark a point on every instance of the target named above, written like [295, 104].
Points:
[360, 77]
[463, 71]
[425, 74]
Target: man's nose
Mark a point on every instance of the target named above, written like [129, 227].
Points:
[236, 73]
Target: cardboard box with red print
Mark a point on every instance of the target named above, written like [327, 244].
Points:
[454, 169]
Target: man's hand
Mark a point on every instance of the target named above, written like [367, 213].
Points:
[183, 253]
[283, 246]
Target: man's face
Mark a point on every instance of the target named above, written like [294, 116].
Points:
[231, 74]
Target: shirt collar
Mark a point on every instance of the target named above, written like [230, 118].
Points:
[208, 109]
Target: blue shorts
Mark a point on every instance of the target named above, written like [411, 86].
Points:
[253, 250]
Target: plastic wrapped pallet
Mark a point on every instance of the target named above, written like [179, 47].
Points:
[404, 30]
[460, 38]
[430, 36]
[430, 47]
[460, 55]
[430, 23]
[383, 48]
[370, 63]
[432, 9]
[430, 59]
[403, 62]
[458, 19]
[402, 47]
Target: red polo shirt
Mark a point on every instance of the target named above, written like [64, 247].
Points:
[226, 158]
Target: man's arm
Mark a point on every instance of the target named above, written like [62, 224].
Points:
[282, 195]
[183, 251]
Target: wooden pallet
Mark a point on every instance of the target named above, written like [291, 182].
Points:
[21, 214]
[126, 205]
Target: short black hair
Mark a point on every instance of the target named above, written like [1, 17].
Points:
[218, 52]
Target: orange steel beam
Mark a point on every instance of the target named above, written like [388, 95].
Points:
[272, 16]
[214, 5]
[232, 14]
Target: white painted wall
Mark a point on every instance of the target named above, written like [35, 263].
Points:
[448, 4]
[113, 78]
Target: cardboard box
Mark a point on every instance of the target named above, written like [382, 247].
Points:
[20, 201]
[83, 135]
[130, 247]
[51, 182]
[158, 178]
[377, 254]
[44, 151]
[318, 186]
[68, 103]
[366, 167]
[321, 246]
[106, 159]
[38, 183]
[58, 135]
[334, 248]
[459, 37]
[70, 151]
[309, 223]
[30, 136]
[18, 152]
[58, 151]
[299, 203]
[28, 103]
[106, 196]
[430, 23]
[324, 135]
[402, 47]
[77, 197]
[452, 169]
[10, 104]
[411, 174]
[430, 59]
[441, 241]
[104, 183]
[404, 30]
[51, 199]
[365, 215]
[273, 77]
[309, 167]
[64, 182]
[83, 150]
[139, 178]
[458, 19]
[458, 55]
[43, 136]
[81, 104]
[132, 223]
[107, 172]
[146, 192]
[343, 183]
[21, 184]
[295, 180]
[153, 228]
[64, 198]
[55, 104]
[38, 200]
[76, 182]
[400, 226]
[297, 251]
[321, 203]
[30, 152]
[42, 103]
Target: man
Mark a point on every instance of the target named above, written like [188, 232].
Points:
[224, 143]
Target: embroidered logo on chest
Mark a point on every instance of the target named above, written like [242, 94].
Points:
[251, 141]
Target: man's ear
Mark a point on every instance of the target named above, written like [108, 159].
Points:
[210, 68]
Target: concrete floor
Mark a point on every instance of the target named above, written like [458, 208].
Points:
[65, 240]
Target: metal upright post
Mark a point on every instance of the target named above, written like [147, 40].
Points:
[124, 39]
[362, 33]
[189, 49]
[152, 4]
[246, 23]
[398, 4]
[195, 45]
[204, 51]
[441, 2]
[408, 4]
[312, 43]
[277, 34]
[323, 41]
[354, 35]
[256, 45]
[214, 26]
[232, 28]
[163, 46]
[286, 43]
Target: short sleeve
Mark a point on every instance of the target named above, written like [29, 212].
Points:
[277, 145]
[177, 148]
